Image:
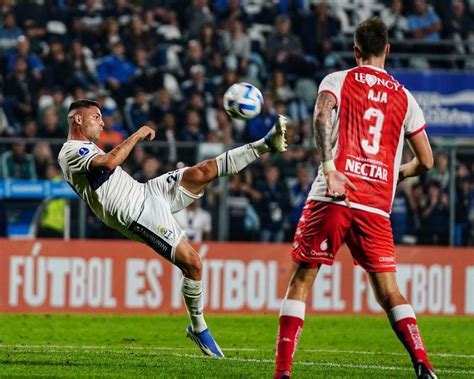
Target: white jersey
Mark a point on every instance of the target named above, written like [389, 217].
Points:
[114, 196]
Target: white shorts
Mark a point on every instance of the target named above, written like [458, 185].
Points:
[156, 225]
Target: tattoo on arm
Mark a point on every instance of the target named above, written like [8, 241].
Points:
[325, 103]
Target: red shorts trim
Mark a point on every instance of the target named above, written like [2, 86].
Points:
[323, 228]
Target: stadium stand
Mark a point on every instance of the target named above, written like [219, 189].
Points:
[155, 64]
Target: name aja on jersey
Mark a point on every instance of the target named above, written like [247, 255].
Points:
[371, 80]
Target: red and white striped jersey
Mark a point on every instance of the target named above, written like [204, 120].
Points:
[373, 115]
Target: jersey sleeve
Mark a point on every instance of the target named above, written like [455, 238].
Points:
[415, 120]
[79, 157]
[332, 83]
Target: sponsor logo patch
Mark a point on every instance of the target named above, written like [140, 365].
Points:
[168, 234]
[83, 151]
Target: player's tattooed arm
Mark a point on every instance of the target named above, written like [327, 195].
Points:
[323, 128]
[120, 152]
[323, 125]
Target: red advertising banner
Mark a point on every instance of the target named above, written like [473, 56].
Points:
[128, 277]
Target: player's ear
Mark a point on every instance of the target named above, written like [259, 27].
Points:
[357, 52]
[77, 118]
[387, 49]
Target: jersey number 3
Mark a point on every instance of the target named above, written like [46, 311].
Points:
[374, 129]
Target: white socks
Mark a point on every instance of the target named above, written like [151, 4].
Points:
[233, 161]
[192, 293]
[293, 308]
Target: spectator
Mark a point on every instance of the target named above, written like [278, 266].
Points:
[58, 69]
[244, 222]
[137, 159]
[88, 22]
[147, 76]
[151, 169]
[83, 65]
[435, 217]
[17, 163]
[138, 111]
[463, 206]
[284, 48]
[260, 125]
[399, 214]
[192, 130]
[195, 222]
[51, 127]
[110, 136]
[272, 206]
[237, 45]
[397, 23]
[298, 194]
[9, 33]
[424, 24]
[193, 57]
[197, 84]
[35, 65]
[196, 16]
[29, 129]
[116, 72]
[56, 102]
[43, 157]
[316, 30]
[21, 90]
[210, 41]
[440, 172]
[167, 133]
[52, 218]
[162, 104]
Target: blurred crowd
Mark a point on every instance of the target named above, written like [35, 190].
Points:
[167, 64]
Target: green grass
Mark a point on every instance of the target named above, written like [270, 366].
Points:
[155, 346]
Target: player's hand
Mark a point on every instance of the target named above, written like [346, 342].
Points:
[145, 132]
[337, 182]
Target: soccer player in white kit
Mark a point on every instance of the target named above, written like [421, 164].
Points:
[361, 119]
[143, 211]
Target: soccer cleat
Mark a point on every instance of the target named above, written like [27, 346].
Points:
[205, 342]
[423, 372]
[282, 375]
[275, 138]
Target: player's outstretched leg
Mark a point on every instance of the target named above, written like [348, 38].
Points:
[196, 178]
[403, 320]
[233, 161]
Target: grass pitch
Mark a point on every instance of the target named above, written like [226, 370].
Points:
[156, 347]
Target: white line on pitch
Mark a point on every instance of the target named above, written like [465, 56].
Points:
[97, 347]
[124, 350]
[328, 364]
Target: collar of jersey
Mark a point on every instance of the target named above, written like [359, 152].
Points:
[373, 67]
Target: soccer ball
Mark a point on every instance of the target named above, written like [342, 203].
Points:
[243, 101]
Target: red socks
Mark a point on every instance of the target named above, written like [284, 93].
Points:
[290, 327]
[404, 324]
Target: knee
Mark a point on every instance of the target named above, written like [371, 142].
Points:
[390, 299]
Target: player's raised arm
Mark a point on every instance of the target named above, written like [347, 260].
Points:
[423, 160]
[118, 155]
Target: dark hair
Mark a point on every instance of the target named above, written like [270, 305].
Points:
[83, 103]
[371, 37]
